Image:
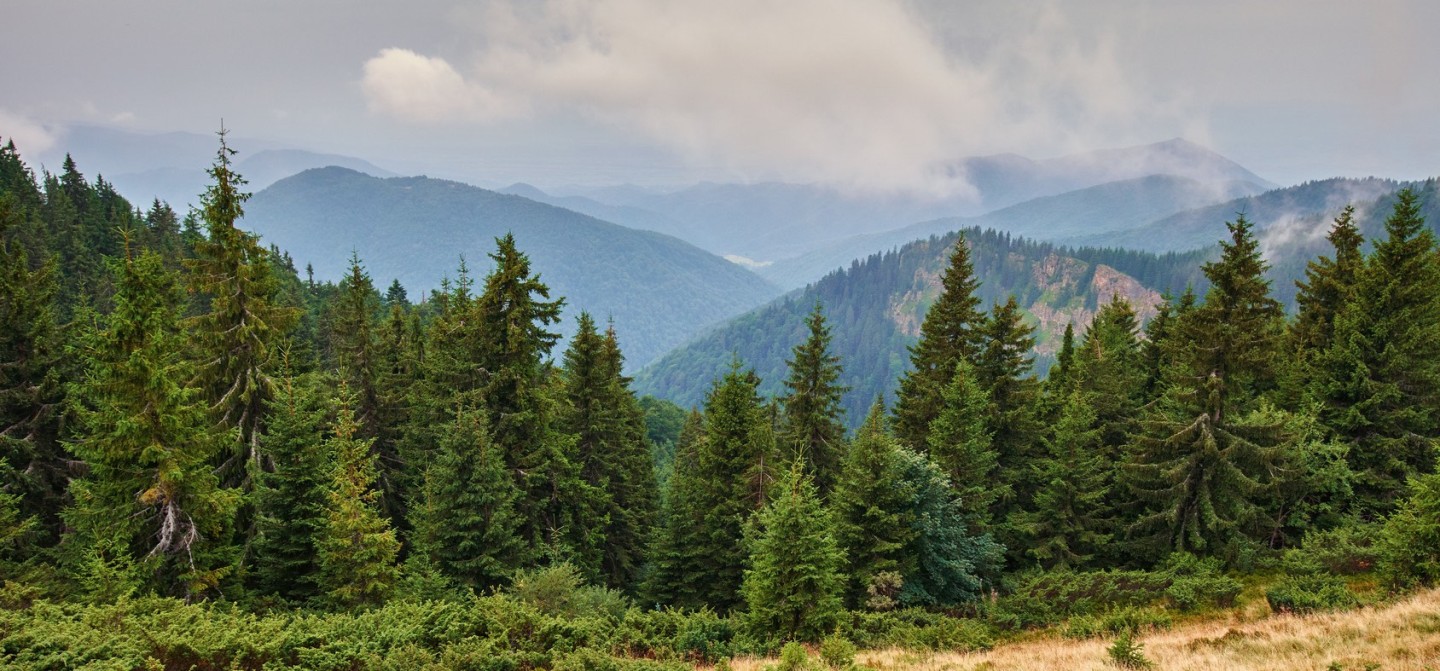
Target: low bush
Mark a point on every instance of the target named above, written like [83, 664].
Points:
[1120, 621]
[1305, 594]
[913, 628]
[1348, 550]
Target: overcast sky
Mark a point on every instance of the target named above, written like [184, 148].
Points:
[873, 93]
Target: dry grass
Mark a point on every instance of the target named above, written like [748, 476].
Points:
[1403, 636]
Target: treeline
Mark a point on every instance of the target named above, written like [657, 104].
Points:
[191, 419]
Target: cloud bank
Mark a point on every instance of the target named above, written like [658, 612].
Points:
[30, 137]
[859, 92]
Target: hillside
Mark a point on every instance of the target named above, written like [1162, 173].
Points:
[658, 290]
[767, 221]
[1110, 207]
[876, 307]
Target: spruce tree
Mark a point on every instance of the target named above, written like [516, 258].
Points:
[357, 548]
[1379, 380]
[1329, 285]
[675, 551]
[31, 390]
[290, 495]
[1068, 522]
[949, 334]
[150, 494]
[794, 588]
[1003, 371]
[871, 504]
[236, 336]
[466, 520]
[1198, 470]
[960, 443]
[951, 564]
[813, 432]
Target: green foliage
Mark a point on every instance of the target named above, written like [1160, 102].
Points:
[1127, 653]
[1124, 620]
[952, 565]
[1352, 548]
[1307, 594]
[1068, 523]
[837, 652]
[872, 505]
[812, 431]
[1410, 539]
[914, 629]
[793, 588]
[290, 497]
[959, 440]
[357, 549]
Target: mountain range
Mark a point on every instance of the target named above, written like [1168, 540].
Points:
[658, 290]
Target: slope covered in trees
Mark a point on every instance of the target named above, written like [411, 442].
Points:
[658, 290]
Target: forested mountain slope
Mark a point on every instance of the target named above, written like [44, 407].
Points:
[658, 290]
[876, 307]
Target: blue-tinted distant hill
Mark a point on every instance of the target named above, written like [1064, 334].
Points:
[660, 291]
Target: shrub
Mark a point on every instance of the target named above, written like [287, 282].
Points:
[1196, 582]
[914, 628]
[793, 658]
[1305, 594]
[1348, 550]
[838, 652]
[1120, 621]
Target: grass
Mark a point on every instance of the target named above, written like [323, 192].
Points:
[1399, 636]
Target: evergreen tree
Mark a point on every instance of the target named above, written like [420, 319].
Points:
[948, 335]
[290, 496]
[1057, 382]
[1003, 371]
[871, 503]
[356, 549]
[794, 588]
[960, 443]
[1410, 539]
[951, 564]
[1328, 287]
[235, 338]
[1380, 378]
[150, 495]
[32, 460]
[466, 519]
[1068, 524]
[813, 432]
[675, 558]
[1199, 471]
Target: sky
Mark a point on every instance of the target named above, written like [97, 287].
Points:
[874, 94]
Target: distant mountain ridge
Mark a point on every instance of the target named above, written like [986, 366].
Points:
[769, 221]
[659, 291]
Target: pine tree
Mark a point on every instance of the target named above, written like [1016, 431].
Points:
[150, 493]
[236, 337]
[960, 443]
[794, 588]
[813, 432]
[466, 519]
[1380, 378]
[290, 496]
[871, 503]
[357, 549]
[948, 335]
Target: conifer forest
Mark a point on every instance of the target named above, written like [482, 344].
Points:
[209, 459]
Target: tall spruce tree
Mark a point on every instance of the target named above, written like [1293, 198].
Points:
[466, 519]
[960, 443]
[1379, 380]
[236, 336]
[871, 504]
[1329, 285]
[949, 334]
[290, 495]
[1199, 470]
[1003, 371]
[676, 547]
[813, 432]
[1068, 522]
[357, 548]
[31, 387]
[952, 565]
[150, 495]
[794, 589]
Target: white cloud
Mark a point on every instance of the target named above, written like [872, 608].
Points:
[849, 91]
[30, 137]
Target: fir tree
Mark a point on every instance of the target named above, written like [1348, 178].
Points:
[466, 520]
[290, 496]
[813, 432]
[356, 549]
[794, 588]
[1328, 287]
[1068, 524]
[948, 335]
[150, 494]
[960, 443]
[675, 558]
[1003, 371]
[951, 564]
[235, 337]
[1380, 378]
[871, 504]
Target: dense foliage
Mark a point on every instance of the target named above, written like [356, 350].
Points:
[435, 484]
